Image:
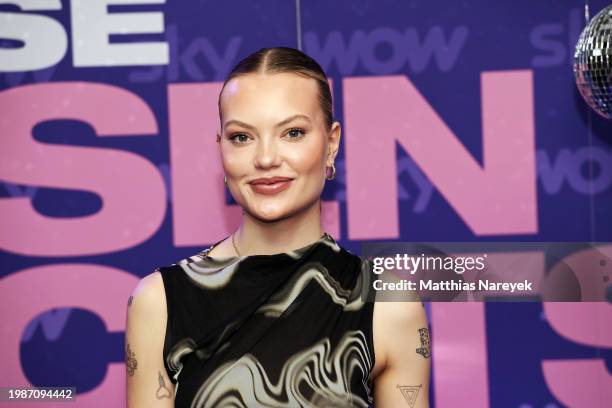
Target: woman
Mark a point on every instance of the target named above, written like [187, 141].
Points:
[272, 314]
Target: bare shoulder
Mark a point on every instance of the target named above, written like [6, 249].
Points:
[147, 313]
[146, 309]
[149, 294]
[398, 315]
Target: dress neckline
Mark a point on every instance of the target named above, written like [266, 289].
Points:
[292, 253]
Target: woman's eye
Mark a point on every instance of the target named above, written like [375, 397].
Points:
[240, 136]
[296, 133]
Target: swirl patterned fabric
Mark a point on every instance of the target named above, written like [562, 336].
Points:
[282, 330]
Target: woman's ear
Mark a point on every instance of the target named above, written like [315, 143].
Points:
[334, 140]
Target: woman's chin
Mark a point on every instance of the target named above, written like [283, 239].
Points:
[269, 213]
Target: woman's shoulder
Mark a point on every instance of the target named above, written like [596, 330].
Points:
[149, 292]
[146, 309]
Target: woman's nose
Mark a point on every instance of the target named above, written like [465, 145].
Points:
[266, 153]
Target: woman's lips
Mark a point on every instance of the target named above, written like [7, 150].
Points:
[273, 188]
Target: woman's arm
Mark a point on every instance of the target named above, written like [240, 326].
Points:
[147, 384]
[401, 328]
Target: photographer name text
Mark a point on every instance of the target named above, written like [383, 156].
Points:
[452, 285]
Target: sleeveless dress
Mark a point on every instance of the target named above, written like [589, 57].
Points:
[281, 330]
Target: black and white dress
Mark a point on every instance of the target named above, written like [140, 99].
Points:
[281, 330]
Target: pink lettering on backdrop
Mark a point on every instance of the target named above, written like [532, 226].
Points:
[131, 188]
[101, 289]
[459, 354]
[496, 198]
[200, 214]
[582, 382]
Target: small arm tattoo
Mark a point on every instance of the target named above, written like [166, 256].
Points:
[130, 360]
[130, 301]
[424, 350]
[410, 393]
[162, 390]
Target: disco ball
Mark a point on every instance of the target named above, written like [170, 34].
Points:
[593, 63]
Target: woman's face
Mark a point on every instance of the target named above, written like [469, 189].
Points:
[273, 126]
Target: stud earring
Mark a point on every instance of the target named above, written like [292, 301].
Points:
[225, 180]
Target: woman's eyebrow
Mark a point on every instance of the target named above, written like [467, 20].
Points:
[279, 124]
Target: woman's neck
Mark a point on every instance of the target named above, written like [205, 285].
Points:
[258, 237]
